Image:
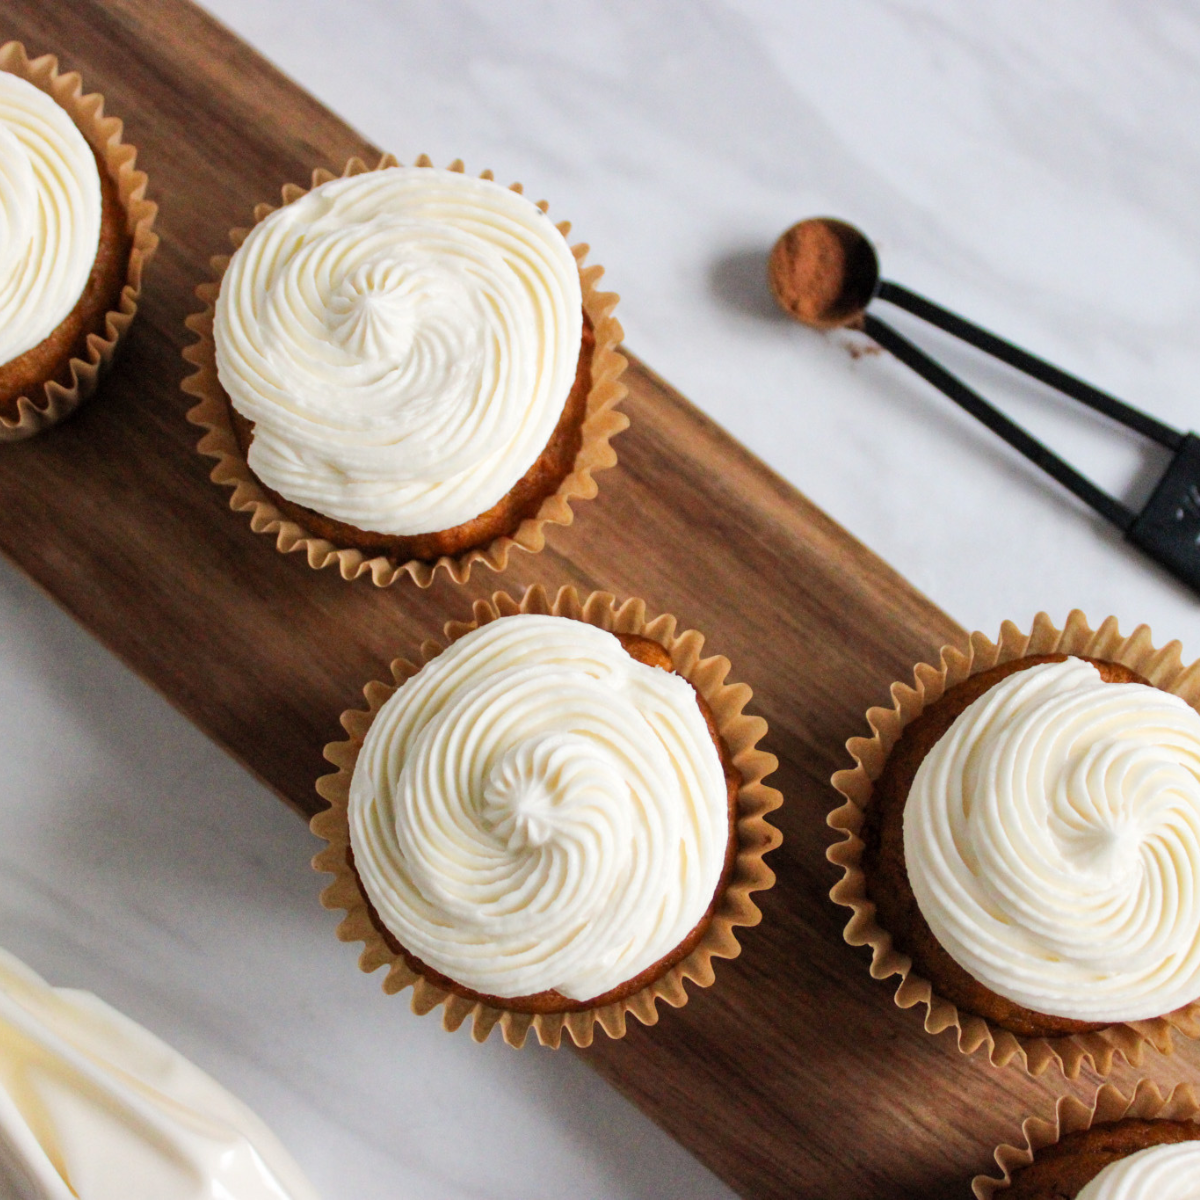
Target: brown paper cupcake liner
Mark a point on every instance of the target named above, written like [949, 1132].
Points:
[756, 837]
[1164, 669]
[601, 423]
[57, 400]
[1146, 1103]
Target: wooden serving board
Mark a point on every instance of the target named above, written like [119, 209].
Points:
[795, 1075]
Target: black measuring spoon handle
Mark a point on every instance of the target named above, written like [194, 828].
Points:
[1020, 440]
[1030, 364]
[1168, 528]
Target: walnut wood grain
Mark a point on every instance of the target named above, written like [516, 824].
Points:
[795, 1075]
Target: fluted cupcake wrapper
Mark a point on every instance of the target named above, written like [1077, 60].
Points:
[755, 836]
[55, 400]
[1164, 669]
[601, 423]
[1071, 1115]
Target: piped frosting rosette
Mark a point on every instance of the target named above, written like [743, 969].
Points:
[537, 810]
[49, 215]
[1052, 839]
[403, 341]
[1163, 1172]
[540, 811]
[1057, 860]
[403, 347]
[50, 208]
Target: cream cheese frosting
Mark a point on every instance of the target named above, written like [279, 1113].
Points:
[1170, 1172]
[1052, 839]
[536, 810]
[94, 1107]
[50, 206]
[404, 341]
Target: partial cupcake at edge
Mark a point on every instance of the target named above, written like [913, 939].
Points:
[1022, 844]
[555, 821]
[75, 235]
[406, 369]
[1142, 1146]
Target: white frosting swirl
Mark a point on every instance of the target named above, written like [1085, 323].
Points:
[1170, 1172]
[49, 215]
[94, 1107]
[1052, 838]
[535, 809]
[404, 342]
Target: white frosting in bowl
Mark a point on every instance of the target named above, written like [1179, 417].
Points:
[50, 206]
[1052, 838]
[535, 809]
[1170, 1172]
[404, 341]
[94, 1107]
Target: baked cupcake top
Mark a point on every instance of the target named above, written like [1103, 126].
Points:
[50, 206]
[1052, 840]
[1156, 1173]
[93, 1105]
[535, 810]
[404, 341]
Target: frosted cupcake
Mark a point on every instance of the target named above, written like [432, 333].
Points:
[1142, 1147]
[1031, 845]
[75, 233]
[548, 824]
[412, 368]
[1142, 1160]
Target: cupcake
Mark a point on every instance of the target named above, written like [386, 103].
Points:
[1025, 844]
[1119, 1148]
[407, 366]
[554, 821]
[75, 233]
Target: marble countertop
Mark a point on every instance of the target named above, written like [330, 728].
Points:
[1031, 166]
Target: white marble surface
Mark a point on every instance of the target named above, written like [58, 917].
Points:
[1031, 165]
